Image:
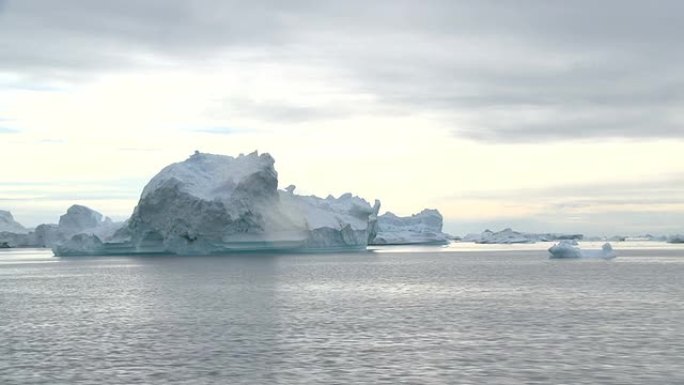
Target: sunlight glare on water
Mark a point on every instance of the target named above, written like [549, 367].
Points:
[424, 315]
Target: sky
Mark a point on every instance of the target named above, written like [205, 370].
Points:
[538, 115]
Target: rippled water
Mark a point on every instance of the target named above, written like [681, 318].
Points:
[454, 315]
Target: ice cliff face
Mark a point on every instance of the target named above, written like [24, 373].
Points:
[212, 204]
[332, 222]
[422, 228]
[8, 224]
[569, 249]
[677, 238]
[207, 202]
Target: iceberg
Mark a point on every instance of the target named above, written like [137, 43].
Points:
[9, 225]
[347, 221]
[12, 233]
[569, 249]
[646, 238]
[215, 204]
[81, 244]
[77, 220]
[46, 235]
[509, 236]
[678, 238]
[422, 228]
[10, 240]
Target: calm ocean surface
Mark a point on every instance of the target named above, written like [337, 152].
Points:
[463, 314]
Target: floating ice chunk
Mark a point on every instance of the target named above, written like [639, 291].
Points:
[566, 249]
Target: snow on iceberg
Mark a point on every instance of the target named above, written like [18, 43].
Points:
[422, 228]
[333, 222]
[213, 204]
[569, 249]
[9, 225]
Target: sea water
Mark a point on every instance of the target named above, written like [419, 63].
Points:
[463, 314]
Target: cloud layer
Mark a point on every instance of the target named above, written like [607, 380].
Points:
[489, 70]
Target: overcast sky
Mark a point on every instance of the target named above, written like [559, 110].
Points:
[542, 115]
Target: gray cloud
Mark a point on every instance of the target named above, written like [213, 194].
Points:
[275, 112]
[494, 71]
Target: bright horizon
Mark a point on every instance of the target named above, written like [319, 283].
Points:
[540, 116]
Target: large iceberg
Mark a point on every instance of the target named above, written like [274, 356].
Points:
[509, 236]
[569, 249]
[214, 204]
[422, 228]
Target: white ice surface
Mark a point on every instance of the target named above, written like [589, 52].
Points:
[211, 204]
[8, 224]
[568, 249]
[509, 236]
[422, 228]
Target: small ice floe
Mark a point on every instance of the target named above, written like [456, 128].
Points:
[568, 249]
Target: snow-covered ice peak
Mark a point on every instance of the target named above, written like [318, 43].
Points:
[8, 224]
[217, 177]
[79, 218]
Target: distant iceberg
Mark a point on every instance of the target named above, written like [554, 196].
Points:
[509, 236]
[12, 233]
[678, 238]
[422, 228]
[214, 204]
[9, 225]
[77, 219]
[569, 249]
